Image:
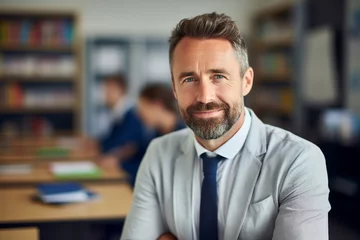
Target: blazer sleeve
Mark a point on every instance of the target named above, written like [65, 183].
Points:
[304, 205]
[145, 220]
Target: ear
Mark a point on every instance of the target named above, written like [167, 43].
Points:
[247, 81]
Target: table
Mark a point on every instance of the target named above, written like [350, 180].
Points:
[19, 233]
[17, 206]
[24, 150]
[29, 155]
[40, 174]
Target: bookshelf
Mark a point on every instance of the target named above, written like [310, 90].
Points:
[271, 55]
[40, 72]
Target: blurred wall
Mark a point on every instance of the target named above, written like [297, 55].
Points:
[143, 17]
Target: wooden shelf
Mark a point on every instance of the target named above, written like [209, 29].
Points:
[274, 10]
[65, 43]
[267, 109]
[273, 78]
[284, 42]
[49, 79]
[14, 48]
[24, 137]
[12, 110]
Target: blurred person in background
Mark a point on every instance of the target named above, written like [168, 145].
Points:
[228, 176]
[155, 114]
[116, 99]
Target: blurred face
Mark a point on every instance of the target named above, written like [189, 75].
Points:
[113, 93]
[148, 112]
[208, 86]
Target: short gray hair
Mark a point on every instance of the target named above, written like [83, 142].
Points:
[208, 26]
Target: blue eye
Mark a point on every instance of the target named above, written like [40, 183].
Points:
[189, 80]
[218, 76]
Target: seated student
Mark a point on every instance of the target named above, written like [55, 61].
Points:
[154, 115]
[117, 102]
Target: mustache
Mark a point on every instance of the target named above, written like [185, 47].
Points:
[198, 107]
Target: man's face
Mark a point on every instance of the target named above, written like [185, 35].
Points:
[113, 93]
[148, 111]
[207, 85]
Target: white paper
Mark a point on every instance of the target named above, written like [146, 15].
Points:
[109, 59]
[59, 168]
[15, 169]
[319, 82]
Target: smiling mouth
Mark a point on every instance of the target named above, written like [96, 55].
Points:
[208, 113]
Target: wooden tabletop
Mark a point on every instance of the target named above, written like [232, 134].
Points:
[33, 142]
[19, 233]
[31, 150]
[26, 156]
[40, 173]
[17, 206]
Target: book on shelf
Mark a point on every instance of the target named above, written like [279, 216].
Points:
[274, 64]
[37, 66]
[16, 96]
[26, 31]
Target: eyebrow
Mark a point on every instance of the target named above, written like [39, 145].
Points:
[218, 70]
[213, 70]
[186, 74]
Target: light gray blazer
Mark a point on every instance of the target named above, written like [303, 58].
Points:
[280, 192]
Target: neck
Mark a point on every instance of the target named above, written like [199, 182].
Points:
[168, 123]
[214, 144]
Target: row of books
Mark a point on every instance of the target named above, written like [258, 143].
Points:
[37, 65]
[31, 125]
[274, 30]
[280, 99]
[14, 95]
[39, 32]
[274, 63]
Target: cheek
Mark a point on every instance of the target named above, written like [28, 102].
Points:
[186, 96]
[229, 93]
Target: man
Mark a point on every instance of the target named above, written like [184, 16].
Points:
[231, 177]
[154, 115]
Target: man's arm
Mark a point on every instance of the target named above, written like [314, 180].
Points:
[304, 205]
[145, 220]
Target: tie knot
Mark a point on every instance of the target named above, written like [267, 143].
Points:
[210, 163]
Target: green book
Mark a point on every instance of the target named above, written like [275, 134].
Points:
[52, 152]
[89, 175]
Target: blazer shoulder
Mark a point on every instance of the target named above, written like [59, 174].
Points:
[174, 139]
[289, 144]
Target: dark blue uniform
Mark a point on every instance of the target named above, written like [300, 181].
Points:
[130, 130]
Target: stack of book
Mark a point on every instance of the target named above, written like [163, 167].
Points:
[61, 193]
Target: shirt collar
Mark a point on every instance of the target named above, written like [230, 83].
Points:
[233, 145]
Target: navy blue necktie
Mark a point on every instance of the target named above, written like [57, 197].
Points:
[208, 204]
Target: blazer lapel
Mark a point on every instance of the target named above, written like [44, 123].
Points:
[249, 166]
[183, 185]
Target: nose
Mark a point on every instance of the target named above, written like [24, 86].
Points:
[205, 92]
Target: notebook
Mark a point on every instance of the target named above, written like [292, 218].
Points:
[64, 193]
[15, 169]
